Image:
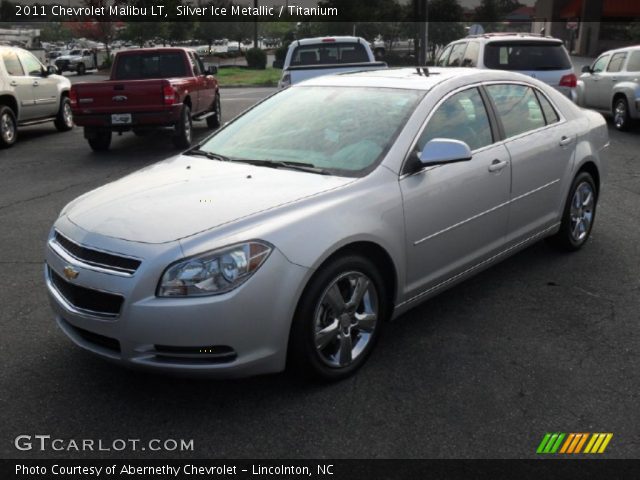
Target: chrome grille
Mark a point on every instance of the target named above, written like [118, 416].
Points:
[97, 258]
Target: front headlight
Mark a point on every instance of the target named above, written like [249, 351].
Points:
[215, 272]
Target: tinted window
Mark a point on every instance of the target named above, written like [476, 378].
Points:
[550, 114]
[442, 59]
[329, 53]
[615, 65]
[455, 59]
[526, 56]
[518, 108]
[470, 58]
[634, 62]
[30, 64]
[599, 64]
[462, 117]
[12, 64]
[150, 65]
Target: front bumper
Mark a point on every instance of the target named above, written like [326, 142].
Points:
[240, 333]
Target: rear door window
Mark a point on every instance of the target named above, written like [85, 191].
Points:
[526, 56]
[12, 64]
[517, 107]
[470, 58]
[457, 54]
[615, 65]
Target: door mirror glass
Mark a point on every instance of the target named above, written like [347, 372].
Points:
[444, 150]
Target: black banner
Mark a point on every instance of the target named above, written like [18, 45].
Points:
[325, 469]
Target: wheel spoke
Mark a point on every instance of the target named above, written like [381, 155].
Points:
[576, 229]
[325, 336]
[344, 353]
[362, 284]
[367, 322]
[335, 300]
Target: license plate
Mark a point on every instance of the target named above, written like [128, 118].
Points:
[121, 118]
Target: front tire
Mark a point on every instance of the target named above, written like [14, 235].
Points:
[64, 119]
[338, 319]
[81, 69]
[621, 117]
[579, 214]
[8, 127]
[183, 132]
[214, 121]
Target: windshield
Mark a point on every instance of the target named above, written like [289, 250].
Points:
[526, 56]
[342, 130]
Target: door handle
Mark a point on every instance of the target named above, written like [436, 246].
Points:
[564, 141]
[35, 83]
[497, 165]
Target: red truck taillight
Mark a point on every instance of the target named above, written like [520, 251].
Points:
[169, 94]
[73, 97]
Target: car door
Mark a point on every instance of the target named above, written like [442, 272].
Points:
[541, 146]
[198, 87]
[45, 89]
[592, 81]
[208, 92]
[21, 85]
[455, 214]
[610, 77]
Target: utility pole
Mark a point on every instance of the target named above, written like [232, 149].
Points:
[255, 27]
[421, 8]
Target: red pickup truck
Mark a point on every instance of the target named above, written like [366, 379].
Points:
[148, 88]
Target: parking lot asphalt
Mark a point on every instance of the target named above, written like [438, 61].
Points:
[543, 342]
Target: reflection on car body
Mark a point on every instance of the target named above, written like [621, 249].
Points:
[331, 207]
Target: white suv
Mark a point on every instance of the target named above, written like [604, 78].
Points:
[30, 94]
[544, 58]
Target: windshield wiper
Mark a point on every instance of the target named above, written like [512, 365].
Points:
[210, 155]
[301, 166]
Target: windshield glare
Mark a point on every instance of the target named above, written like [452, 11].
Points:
[345, 130]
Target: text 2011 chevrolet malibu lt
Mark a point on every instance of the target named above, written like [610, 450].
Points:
[292, 234]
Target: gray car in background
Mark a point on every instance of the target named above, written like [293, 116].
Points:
[611, 84]
[291, 235]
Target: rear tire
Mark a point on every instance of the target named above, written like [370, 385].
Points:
[214, 121]
[8, 127]
[183, 132]
[64, 119]
[101, 141]
[335, 328]
[578, 215]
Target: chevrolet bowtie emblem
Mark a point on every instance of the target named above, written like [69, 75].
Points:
[70, 273]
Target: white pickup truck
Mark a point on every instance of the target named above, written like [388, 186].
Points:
[313, 57]
[79, 60]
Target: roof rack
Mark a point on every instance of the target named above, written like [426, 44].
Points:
[506, 34]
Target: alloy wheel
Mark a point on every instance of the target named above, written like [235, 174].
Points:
[582, 207]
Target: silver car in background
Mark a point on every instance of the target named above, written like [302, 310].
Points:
[291, 235]
[537, 56]
[611, 84]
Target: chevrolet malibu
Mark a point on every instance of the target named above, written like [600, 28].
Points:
[290, 236]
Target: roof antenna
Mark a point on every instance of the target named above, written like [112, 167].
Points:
[418, 70]
[425, 70]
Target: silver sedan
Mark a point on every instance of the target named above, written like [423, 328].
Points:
[290, 236]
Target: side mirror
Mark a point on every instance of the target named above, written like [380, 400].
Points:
[444, 150]
[587, 69]
[211, 70]
[51, 70]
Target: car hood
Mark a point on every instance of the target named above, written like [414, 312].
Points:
[185, 195]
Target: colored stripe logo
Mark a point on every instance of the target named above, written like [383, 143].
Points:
[572, 443]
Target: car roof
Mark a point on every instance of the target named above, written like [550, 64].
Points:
[622, 49]
[511, 36]
[329, 39]
[411, 78]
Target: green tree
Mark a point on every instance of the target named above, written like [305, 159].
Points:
[488, 14]
[444, 23]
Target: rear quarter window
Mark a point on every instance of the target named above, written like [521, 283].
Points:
[517, 107]
[526, 56]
